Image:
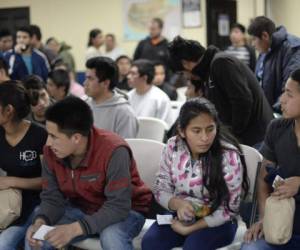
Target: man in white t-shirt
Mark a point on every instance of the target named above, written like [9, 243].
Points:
[146, 99]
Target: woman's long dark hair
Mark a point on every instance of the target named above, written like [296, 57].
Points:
[93, 33]
[213, 177]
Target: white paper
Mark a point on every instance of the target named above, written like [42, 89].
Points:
[277, 179]
[164, 219]
[41, 232]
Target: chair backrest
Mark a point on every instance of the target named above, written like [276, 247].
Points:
[151, 128]
[175, 109]
[253, 159]
[147, 154]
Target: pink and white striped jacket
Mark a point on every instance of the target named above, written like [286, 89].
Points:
[178, 177]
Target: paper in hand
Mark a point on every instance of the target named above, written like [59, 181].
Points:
[164, 219]
[41, 232]
[277, 181]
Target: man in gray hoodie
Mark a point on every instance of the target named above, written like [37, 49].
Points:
[111, 109]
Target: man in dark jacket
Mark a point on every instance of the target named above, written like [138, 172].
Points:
[229, 84]
[279, 57]
[24, 60]
[90, 182]
[154, 47]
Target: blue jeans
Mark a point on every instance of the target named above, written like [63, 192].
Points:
[261, 244]
[115, 236]
[164, 238]
[11, 237]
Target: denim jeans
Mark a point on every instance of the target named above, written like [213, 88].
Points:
[116, 236]
[261, 244]
[11, 237]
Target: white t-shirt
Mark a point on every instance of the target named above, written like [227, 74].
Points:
[92, 52]
[154, 103]
[115, 53]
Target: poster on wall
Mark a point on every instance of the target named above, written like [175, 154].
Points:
[191, 13]
[137, 15]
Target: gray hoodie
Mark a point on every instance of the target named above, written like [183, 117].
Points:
[116, 115]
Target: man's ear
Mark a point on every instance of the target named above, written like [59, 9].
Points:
[106, 83]
[76, 138]
[265, 36]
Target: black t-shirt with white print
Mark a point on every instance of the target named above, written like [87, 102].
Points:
[23, 160]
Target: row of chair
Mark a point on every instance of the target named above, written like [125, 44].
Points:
[148, 169]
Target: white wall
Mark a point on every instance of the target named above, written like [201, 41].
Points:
[71, 20]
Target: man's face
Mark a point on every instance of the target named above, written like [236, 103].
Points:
[54, 46]
[6, 43]
[154, 29]
[134, 78]
[262, 44]
[160, 75]
[109, 42]
[53, 90]
[290, 100]
[236, 36]
[42, 104]
[92, 86]
[61, 145]
[23, 38]
[124, 66]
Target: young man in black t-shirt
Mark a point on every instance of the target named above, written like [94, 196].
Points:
[281, 151]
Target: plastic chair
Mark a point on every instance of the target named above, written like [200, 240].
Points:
[151, 128]
[175, 109]
[147, 167]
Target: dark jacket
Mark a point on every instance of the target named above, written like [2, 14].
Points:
[281, 60]
[18, 69]
[239, 100]
[158, 52]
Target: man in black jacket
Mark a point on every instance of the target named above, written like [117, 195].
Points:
[155, 46]
[229, 84]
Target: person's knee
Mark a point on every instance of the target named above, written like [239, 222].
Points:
[111, 237]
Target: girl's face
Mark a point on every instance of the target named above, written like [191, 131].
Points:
[200, 134]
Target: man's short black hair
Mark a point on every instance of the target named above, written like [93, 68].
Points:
[183, 49]
[71, 115]
[34, 84]
[296, 77]
[123, 57]
[3, 65]
[261, 24]
[25, 29]
[35, 30]
[5, 33]
[159, 22]
[145, 68]
[60, 78]
[106, 69]
[238, 26]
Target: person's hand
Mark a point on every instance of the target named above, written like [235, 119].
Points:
[6, 182]
[180, 228]
[61, 235]
[288, 188]
[19, 48]
[31, 230]
[185, 210]
[254, 232]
